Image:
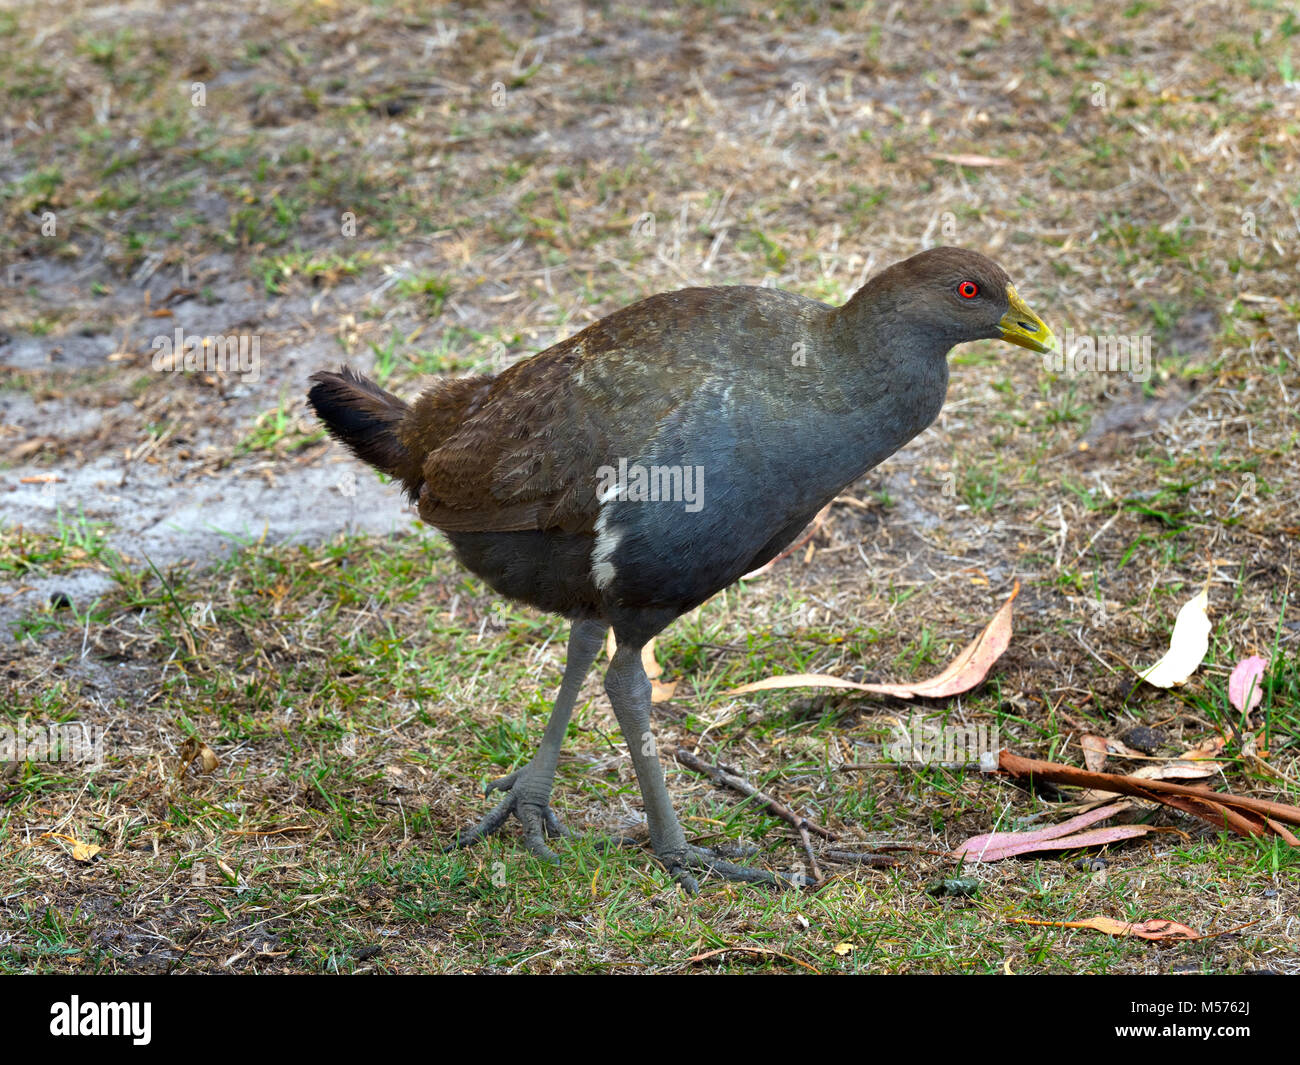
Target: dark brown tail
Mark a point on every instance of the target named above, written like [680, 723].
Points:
[361, 415]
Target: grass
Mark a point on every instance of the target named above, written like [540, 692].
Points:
[353, 741]
[73, 542]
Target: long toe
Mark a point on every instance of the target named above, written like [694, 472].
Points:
[554, 826]
[488, 823]
[534, 818]
[710, 861]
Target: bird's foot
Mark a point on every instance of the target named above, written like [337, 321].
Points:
[681, 864]
[528, 798]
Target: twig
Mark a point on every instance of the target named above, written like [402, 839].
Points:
[728, 777]
[184, 954]
[873, 861]
[1095, 537]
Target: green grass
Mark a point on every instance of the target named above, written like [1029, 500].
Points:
[341, 678]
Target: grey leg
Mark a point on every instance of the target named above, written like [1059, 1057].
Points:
[529, 788]
[629, 692]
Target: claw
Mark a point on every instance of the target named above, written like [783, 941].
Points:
[689, 884]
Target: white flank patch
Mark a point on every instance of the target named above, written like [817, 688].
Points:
[607, 541]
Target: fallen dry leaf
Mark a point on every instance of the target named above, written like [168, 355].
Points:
[1094, 752]
[1177, 770]
[1210, 748]
[1187, 646]
[994, 846]
[962, 674]
[971, 160]
[29, 447]
[195, 750]
[659, 692]
[1247, 682]
[662, 691]
[649, 663]
[1154, 928]
[81, 852]
[1096, 748]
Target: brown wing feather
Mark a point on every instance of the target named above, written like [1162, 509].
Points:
[524, 460]
[528, 455]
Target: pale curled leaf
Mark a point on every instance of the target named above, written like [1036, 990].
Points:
[965, 159]
[1096, 748]
[1188, 645]
[661, 692]
[195, 750]
[963, 673]
[649, 663]
[1210, 748]
[1155, 928]
[1247, 682]
[1094, 752]
[1175, 771]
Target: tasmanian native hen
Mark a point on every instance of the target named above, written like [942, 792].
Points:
[623, 476]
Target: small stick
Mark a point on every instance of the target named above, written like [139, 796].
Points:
[873, 861]
[728, 777]
[193, 943]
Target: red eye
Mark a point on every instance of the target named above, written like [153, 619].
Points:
[968, 289]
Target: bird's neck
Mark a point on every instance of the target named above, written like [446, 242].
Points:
[886, 383]
[880, 323]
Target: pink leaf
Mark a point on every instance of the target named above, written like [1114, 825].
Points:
[1094, 752]
[1092, 838]
[994, 846]
[963, 159]
[1156, 928]
[1247, 680]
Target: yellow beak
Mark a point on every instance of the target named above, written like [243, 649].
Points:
[1023, 327]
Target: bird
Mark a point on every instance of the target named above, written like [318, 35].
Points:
[626, 474]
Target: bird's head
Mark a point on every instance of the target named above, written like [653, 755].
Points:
[952, 295]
